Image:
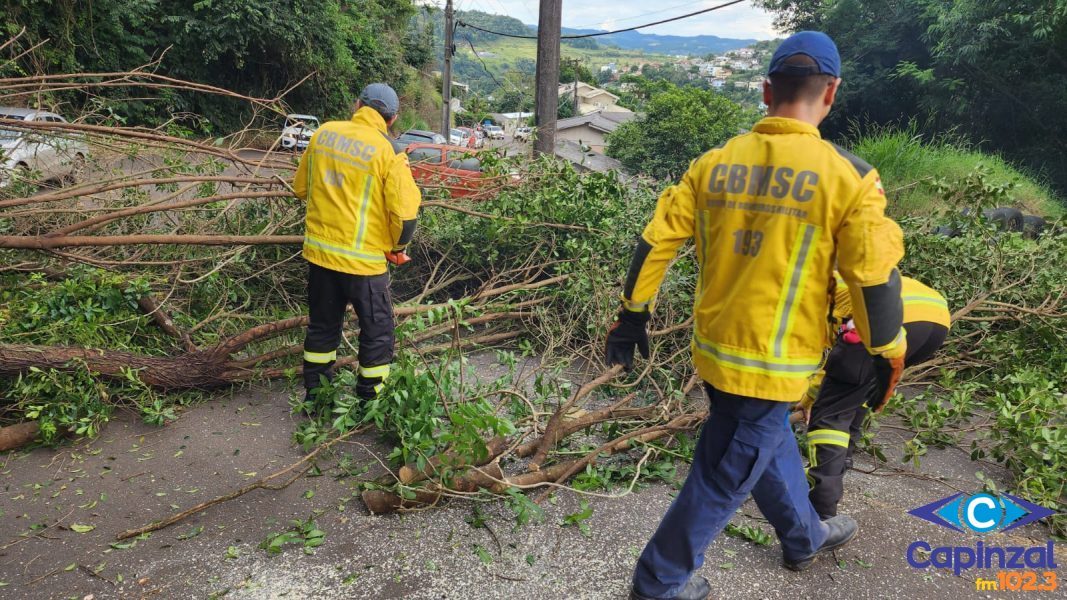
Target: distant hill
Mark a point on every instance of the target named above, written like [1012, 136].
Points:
[698, 45]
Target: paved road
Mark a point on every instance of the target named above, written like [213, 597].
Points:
[134, 473]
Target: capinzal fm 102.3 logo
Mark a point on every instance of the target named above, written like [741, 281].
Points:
[981, 513]
[984, 514]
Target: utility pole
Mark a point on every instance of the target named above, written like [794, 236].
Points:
[547, 82]
[446, 76]
[574, 106]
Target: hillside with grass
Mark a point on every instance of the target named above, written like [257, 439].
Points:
[914, 171]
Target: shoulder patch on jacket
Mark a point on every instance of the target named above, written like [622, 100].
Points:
[862, 167]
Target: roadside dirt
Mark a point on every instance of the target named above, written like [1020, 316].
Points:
[135, 473]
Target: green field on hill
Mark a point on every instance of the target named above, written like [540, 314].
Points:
[507, 54]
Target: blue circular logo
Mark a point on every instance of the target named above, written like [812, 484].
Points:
[982, 513]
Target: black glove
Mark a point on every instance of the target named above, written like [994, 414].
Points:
[887, 372]
[627, 330]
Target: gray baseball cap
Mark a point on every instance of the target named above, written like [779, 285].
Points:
[381, 98]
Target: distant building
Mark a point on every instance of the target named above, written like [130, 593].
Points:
[718, 83]
[585, 159]
[592, 99]
[591, 130]
[746, 52]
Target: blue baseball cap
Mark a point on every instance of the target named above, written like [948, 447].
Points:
[814, 44]
[381, 98]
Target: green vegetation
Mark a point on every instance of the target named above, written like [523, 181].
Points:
[992, 71]
[680, 124]
[910, 166]
[1000, 390]
[254, 48]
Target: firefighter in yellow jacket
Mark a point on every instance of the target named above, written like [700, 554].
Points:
[847, 387]
[770, 212]
[362, 204]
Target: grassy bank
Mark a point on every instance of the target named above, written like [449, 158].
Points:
[910, 165]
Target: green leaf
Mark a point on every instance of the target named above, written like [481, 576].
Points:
[483, 554]
[192, 533]
[82, 528]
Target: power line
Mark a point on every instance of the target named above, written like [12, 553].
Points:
[602, 33]
[635, 17]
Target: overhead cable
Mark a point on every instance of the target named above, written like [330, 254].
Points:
[460, 23]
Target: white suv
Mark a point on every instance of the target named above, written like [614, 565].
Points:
[495, 132]
[50, 153]
[296, 135]
[522, 134]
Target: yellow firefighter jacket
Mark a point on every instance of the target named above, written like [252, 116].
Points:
[921, 302]
[770, 212]
[361, 198]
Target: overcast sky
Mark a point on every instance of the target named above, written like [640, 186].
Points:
[738, 21]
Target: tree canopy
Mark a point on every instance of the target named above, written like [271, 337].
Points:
[994, 71]
[680, 124]
[256, 48]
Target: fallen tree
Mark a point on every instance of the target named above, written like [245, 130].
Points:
[173, 265]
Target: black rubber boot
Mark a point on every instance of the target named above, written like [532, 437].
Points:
[697, 588]
[842, 529]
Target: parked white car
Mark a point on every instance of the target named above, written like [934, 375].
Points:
[458, 137]
[296, 135]
[45, 153]
[494, 132]
[522, 134]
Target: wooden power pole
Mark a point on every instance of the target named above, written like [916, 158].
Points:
[574, 106]
[547, 98]
[446, 76]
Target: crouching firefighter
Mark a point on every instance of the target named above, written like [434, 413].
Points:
[850, 386]
[362, 204]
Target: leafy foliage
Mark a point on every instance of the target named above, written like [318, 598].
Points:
[301, 532]
[251, 47]
[680, 124]
[984, 69]
[998, 401]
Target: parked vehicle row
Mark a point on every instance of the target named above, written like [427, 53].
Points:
[435, 162]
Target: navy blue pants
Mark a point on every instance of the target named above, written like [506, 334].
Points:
[746, 447]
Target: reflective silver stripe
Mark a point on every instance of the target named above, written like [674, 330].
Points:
[794, 287]
[828, 437]
[637, 306]
[803, 369]
[320, 357]
[379, 371]
[702, 255]
[310, 241]
[363, 213]
[925, 300]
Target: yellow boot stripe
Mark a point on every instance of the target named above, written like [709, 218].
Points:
[320, 358]
[830, 437]
[371, 372]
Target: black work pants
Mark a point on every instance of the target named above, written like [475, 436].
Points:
[837, 416]
[329, 294]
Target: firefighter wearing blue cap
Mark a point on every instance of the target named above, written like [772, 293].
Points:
[362, 204]
[770, 212]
